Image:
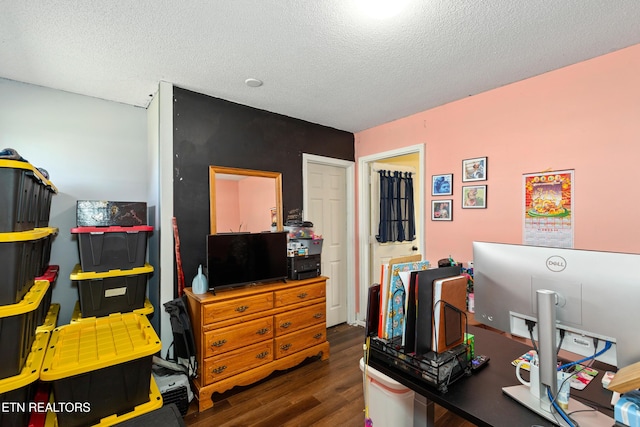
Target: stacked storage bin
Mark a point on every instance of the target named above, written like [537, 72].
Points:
[102, 293]
[25, 296]
[112, 275]
[103, 367]
[103, 357]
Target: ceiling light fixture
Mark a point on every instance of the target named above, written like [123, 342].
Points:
[382, 9]
[253, 82]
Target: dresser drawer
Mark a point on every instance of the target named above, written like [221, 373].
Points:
[301, 318]
[237, 361]
[300, 294]
[226, 339]
[229, 309]
[296, 341]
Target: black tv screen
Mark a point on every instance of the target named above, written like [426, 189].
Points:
[235, 259]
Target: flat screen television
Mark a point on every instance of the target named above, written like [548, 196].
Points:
[235, 259]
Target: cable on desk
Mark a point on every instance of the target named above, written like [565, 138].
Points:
[562, 334]
[555, 405]
[530, 325]
[559, 410]
[607, 346]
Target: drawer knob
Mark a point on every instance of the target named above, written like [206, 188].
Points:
[285, 325]
[262, 355]
[242, 308]
[218, 343]
[285, 347]
[317, 336]
[302, 295]
[219, 369]
[318, 315]
[262, 331]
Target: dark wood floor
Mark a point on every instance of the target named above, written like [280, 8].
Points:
[316, 393]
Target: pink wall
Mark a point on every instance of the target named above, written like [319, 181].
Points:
[227, 206]
[244, 205]
[257, 197]
[584, 117]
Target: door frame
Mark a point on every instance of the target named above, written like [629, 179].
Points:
[349, 167]
[364, 204]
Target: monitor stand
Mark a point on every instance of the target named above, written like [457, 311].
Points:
[590, 418]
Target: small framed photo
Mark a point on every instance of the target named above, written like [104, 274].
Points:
[474, 169]
[441, 210]
[442, 185]
[474, 197]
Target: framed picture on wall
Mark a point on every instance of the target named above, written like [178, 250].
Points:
[474, 169]
[474, 197]
[442, 210]
[442, 185]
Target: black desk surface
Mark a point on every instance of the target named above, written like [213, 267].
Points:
[479, 398]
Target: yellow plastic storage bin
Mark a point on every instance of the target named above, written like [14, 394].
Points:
[25, 195]
[76, 316]
[18, 329]
[21, 261]
[114, 291]
[155, 402]
[51, 319]
[105, 364]
[17, 392]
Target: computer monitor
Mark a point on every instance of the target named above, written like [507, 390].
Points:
[594, 298]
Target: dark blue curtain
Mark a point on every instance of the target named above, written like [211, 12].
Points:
[397, 217]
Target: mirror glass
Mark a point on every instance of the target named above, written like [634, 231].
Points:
[244, 200]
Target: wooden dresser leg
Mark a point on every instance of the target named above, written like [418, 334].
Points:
[204, 400]
[325, 352]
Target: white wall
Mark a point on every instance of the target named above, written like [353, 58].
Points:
[93, 150]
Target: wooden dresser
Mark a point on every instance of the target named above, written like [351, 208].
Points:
[243, 335]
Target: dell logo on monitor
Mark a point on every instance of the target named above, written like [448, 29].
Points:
[556, 263]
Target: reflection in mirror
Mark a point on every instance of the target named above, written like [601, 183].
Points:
[243, 200]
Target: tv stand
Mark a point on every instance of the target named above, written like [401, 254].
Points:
[245, 334]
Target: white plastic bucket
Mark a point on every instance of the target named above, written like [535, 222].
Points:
[390, 403]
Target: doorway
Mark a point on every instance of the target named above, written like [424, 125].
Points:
[328, 202]
[369, 271]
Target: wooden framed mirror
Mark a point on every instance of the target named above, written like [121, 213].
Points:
[244, 200]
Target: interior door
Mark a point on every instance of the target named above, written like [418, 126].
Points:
[381, 253]
[327, 209]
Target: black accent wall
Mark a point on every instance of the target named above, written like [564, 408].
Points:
[211, 131]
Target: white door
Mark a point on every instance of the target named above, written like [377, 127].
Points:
[381, 253]
[327, 210]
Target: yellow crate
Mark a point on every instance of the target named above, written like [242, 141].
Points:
[114, 291]
[78, 274]
[51, 319]
[30, 302]
[76, 316]
[31, 370]
[155, 402]
[81, 347]
[16, 164]
[104, 363]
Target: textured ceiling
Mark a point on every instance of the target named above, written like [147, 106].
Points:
[325, 61]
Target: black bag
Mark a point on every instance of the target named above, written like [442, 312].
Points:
[184, 347]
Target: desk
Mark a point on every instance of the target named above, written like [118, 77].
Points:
[479, 397]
